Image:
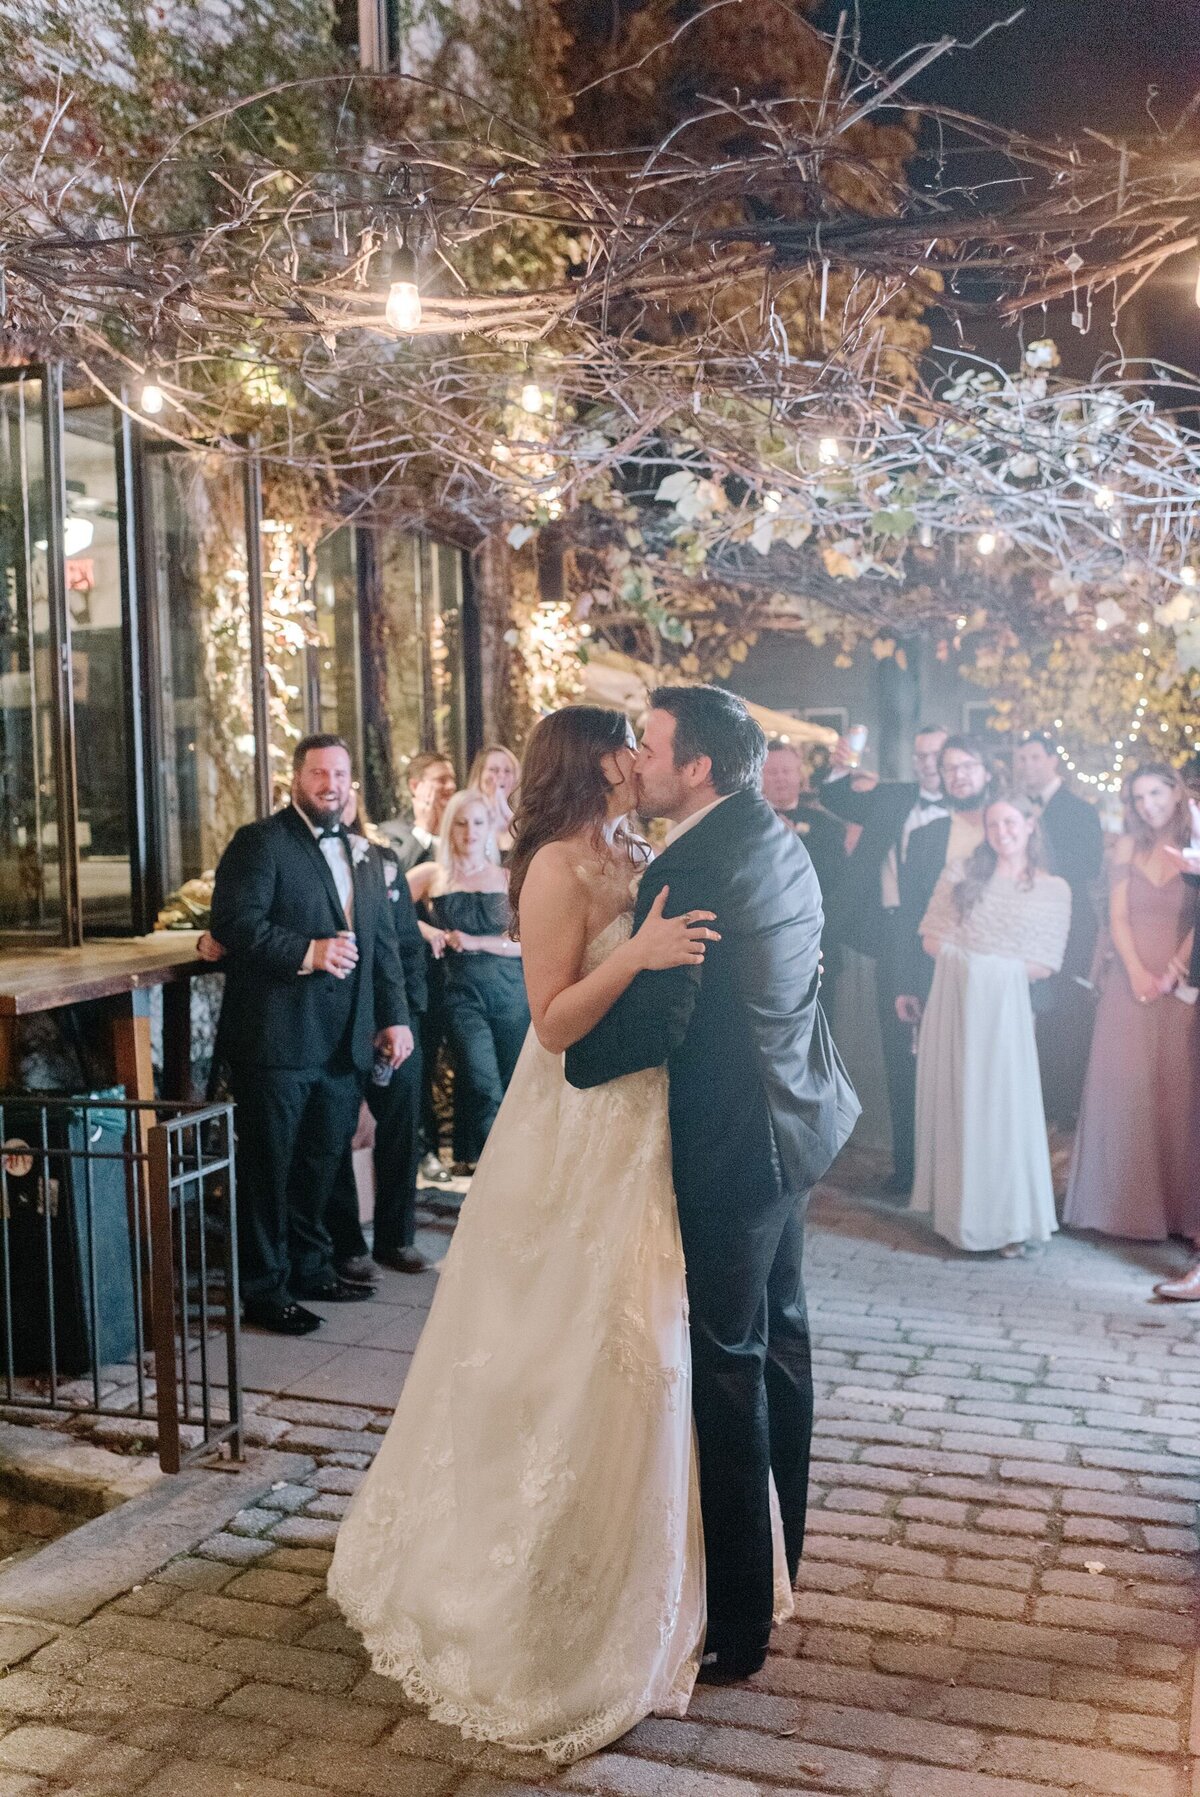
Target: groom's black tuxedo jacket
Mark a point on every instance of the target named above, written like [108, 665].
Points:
[754, 1078]
[275, 894]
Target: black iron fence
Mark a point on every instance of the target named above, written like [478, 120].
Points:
[118, 1266]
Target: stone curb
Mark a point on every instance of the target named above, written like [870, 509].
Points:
[76, 1575]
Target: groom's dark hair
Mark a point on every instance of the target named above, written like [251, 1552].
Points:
[712, 722]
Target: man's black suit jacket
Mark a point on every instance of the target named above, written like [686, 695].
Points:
[923, 868]
[1075, 847]
[274, 894]
[755, 1081]
[881, 814]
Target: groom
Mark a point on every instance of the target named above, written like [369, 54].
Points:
[759, 1106]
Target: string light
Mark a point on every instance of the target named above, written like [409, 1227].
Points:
[1188, 575]
[1105, 499]
[772, 500]
[829, 450]
[152, 399]
[532, 398]
[403, 309]
[986, 542]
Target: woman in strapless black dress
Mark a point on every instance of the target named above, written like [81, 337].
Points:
[487, 1013]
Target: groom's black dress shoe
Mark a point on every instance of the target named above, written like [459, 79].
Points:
[729, 1669]
[728, 1662]
[280, 1319]
[336, 1291]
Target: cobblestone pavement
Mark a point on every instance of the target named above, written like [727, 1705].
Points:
[997, 1598]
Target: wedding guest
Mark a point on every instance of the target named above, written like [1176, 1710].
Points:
[968, 776]
[1187, 1289]
[993, 927]
[1075, 851]
[1134, 1171]
[395, 1105]
[313, 990]
[431, 786]
[868, 903]
[786, 789]
[496, 773]
[487, 1013]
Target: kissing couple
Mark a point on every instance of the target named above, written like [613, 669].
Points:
[593, 1490]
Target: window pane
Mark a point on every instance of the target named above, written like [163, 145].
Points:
[91, 541]
[198, 589]
[399, 556]
[446, 652]
[339, 662]
[30, 897]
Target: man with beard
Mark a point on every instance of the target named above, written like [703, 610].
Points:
[967, 774]
[313, 992]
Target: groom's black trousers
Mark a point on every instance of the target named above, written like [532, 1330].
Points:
[752, 1395]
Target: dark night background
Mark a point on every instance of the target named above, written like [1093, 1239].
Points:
[1123, 67]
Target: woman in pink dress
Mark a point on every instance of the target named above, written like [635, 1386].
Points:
[1138, 1144]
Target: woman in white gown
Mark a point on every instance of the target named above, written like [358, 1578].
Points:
[525, 1554]
[983, 1162]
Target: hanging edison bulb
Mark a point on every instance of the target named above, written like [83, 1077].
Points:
[152, 399]
[532, 398]
[403, 309]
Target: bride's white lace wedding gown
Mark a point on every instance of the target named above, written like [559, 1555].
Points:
[525, 1555]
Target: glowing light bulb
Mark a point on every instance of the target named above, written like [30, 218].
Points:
[1143, 628]
[772, 500]
[532, 398]
[960, 623]
[829, 450]
[152, 399]
[1188, 576]
[986, 542]
[403, 309]
[1105, 499]
[1101, 623]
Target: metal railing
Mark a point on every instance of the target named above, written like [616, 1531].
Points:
[118, 1266]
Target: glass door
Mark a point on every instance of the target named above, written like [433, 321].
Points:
[202, 653]
[31, 727]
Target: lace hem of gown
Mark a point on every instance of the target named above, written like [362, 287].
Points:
[397, 1653]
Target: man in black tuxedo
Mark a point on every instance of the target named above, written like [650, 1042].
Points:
[431, 786]
[313, 988]
[759, 1106]
[968, 774]
[868, 904]
[1075, 847]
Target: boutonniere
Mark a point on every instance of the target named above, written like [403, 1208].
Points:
[360, 848]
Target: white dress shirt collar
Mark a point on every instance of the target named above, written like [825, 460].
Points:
[689, 823]
[1048, 792]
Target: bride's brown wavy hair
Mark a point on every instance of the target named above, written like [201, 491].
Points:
[563, 789]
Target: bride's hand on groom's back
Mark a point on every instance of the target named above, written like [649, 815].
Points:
[664, 942]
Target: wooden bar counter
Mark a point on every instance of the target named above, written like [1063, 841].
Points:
[120, 972]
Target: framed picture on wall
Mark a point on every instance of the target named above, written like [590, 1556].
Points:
[831, 717]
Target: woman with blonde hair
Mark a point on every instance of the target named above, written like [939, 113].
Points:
[983, 1163]
[1138, 1144]
[496, 773]
[465, 895]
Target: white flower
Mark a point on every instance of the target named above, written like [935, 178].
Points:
[1042, 354]
[360, 848]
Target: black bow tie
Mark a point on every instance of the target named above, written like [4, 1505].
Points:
[332, 833]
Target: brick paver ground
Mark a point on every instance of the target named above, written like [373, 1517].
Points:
[997, 1598]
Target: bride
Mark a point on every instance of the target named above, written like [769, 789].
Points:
[525, 1555]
